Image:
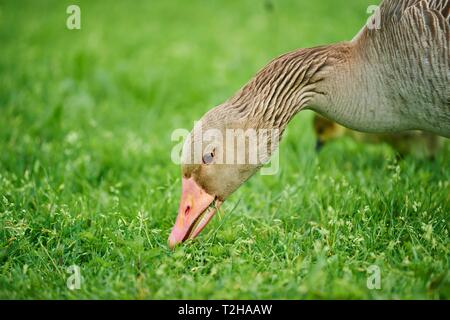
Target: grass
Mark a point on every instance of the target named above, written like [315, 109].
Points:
[86, 178]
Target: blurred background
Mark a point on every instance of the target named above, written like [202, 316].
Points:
[86, 177]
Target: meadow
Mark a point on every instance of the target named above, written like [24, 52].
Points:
[86, 177]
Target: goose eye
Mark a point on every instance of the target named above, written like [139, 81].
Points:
[208, 158]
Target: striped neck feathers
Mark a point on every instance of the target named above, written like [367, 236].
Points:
[286, 85]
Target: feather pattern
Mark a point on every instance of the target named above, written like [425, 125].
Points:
[409, 57]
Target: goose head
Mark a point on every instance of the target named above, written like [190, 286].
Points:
[213, 166]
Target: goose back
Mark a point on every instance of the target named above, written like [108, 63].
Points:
[408, 58]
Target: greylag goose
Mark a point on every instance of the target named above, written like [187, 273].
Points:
[419, 144]
[386, 79]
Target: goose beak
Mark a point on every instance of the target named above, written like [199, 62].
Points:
[197, 207]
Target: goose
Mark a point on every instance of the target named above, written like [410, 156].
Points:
[387, 79]
[419, 144]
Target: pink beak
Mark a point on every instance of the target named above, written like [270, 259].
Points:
[194, 212]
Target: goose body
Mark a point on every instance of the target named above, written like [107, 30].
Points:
[390, 79]
[397, 77]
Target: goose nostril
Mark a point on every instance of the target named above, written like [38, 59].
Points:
[188, 208]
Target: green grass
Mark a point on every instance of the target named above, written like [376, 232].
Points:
[86, 177]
